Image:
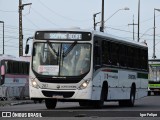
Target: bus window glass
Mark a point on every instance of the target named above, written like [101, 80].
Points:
[56, 59]
[2, 70]
[6, 66]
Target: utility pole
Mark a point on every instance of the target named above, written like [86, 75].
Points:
[133, 26]
[138, 18]
[21, 6]
[154, 55]
[20, 29]
[3, 35]
[102, 18]
[154, 32]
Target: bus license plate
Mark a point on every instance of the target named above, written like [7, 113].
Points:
[57, 96]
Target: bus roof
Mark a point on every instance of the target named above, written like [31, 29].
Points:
[120, 39]
[109, 36]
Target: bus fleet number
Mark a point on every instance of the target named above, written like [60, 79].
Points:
[44, 85]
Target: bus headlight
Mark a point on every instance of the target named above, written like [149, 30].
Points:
[84, 84]
[34, 84]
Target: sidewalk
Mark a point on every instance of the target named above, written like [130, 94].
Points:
[15, 102]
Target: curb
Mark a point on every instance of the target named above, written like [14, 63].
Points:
[12, 103]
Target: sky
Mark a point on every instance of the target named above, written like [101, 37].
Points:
[51, 14]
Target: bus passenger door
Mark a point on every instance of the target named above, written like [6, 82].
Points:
[97, 74]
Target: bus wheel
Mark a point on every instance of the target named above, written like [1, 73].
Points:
[149, 93]
[103, 97]
[35, 101]
[83, 103]
[131, 101]
[154, 93]
[122, 103]
[40, 101]
[50, 103]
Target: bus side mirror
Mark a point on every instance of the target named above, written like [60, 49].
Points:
[26, 49]
[27, 45]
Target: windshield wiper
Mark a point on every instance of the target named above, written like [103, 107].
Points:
[69, 49]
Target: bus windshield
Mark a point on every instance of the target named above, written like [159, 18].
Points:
[61, 59]
[154, 72]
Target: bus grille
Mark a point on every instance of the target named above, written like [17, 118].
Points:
[55, 93]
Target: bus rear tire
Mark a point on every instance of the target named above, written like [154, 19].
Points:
[149, 93]
[130, 102]
[50, 103]
[132, 99]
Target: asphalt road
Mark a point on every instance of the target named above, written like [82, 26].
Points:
[148, 107]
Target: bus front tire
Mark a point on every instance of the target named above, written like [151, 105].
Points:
[104, 92]
[50, 103]
[83, 103]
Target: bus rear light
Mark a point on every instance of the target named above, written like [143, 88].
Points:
[84, 84]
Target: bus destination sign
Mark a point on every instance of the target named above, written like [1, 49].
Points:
[71, 36]
[55, 35]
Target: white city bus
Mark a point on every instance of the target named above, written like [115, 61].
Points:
[88, 67]
[14, 75]
[154, 77]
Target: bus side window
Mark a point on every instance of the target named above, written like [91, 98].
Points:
[105, 53]
[115, 54]
[122, 59]
[9, 67]
[97, 55]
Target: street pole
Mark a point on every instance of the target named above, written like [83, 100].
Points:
[126, 8]
[102, 18]
[138, 19]
[3, 35]
[94, 20]
[20, 29]
[154, 30]
[154, 26]
[133, 26]
[21, 6]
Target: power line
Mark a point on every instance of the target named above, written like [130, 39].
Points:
[51, 10]
[44, 17]
[15, 27]
[129, 31]
[8, 11]
[149, 19]
[32, 22]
